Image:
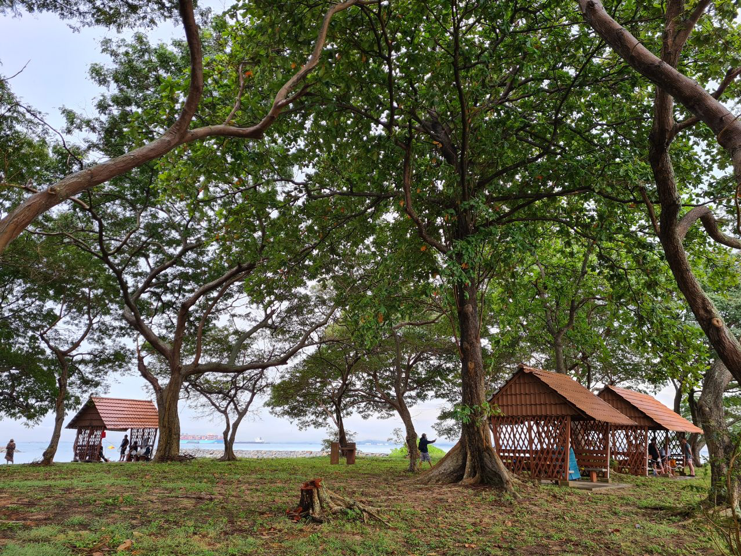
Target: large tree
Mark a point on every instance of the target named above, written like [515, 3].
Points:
[688, 53]
[474, 120]
[251, 49]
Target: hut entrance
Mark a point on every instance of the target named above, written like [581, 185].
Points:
[651, 415]
[138, 417]
[544, 416]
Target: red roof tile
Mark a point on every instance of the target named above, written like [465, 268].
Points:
[121, 414]
[655, 410]
[580, 397]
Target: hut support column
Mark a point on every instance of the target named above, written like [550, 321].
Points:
[607, 450]
[645, 452]
[567, 453]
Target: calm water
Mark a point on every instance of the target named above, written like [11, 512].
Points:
[32, 451]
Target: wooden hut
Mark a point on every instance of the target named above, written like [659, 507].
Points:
[543, 414]
[651, 415]
[138, 417]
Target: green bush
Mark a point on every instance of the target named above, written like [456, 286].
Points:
[400, 452]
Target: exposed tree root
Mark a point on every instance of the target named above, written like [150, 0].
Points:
[319, 504]
[460, 466]
[180, 458]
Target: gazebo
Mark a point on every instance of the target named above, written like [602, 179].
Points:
[650, 414]
[543, 415]
[139, 417]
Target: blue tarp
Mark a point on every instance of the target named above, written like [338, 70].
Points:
[574, 474]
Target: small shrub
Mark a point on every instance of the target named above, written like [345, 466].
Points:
[401, 452]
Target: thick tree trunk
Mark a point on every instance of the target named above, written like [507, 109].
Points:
[411, 436]
[51, 450]
[168, 448]
[473, 459]
[720, 443]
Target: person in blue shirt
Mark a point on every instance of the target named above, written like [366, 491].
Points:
[687, 453]
[423, 443]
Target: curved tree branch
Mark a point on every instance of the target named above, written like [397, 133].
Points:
[19, 218]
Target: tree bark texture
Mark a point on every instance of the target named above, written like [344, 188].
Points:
[560, 359]
[168, 448]
[720, 443]
[319, 504]
[341, 434]
[20, 217]
[411, 437]
[473, 459]
[228, 435]
[705, 107]
[51, 450]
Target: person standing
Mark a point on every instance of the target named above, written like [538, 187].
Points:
[10, 451]
[655, 456]
[687, 453]
[124, 445]
[423, 451]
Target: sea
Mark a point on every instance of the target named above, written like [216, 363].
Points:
[28, 452]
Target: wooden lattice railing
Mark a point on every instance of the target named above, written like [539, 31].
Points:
[536, 447]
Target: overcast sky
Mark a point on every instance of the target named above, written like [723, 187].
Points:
[56, 61]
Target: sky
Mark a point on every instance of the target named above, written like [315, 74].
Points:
[56, 61]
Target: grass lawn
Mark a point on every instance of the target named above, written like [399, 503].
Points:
[211, 508]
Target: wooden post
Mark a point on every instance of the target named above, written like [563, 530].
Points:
[567, 454]
[350, 453]
[645, 452]
[607, 442]
[531, 456]
[334, 453]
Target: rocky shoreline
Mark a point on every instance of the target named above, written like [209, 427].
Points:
[268, 454]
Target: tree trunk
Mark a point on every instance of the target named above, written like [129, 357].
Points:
[473, 459]
[229, 435]
[696, 440]
[720, 443]
[341, 434]
[51, 450]
[678, 398]
[168, 448]
[558, 351]
[229, 454]
[411, 436]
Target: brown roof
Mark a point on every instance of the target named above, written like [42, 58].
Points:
[116, 414]
[655, 410]
[547, 393]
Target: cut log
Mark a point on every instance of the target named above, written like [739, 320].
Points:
[319, 504]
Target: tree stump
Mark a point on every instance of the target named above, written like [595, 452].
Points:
[318, 504]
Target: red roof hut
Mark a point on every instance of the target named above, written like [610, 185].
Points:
[650, 413]
[543, 414]
[139, 417]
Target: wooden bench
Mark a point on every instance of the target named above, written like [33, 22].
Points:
[593, 472]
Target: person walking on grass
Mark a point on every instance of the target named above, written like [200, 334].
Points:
[124, 445]
[687, 453]
[424, 452]
[10, 451]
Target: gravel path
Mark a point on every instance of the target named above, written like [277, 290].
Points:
[260, 454]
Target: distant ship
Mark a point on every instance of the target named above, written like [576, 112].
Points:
[257, 440]
[202, 438]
